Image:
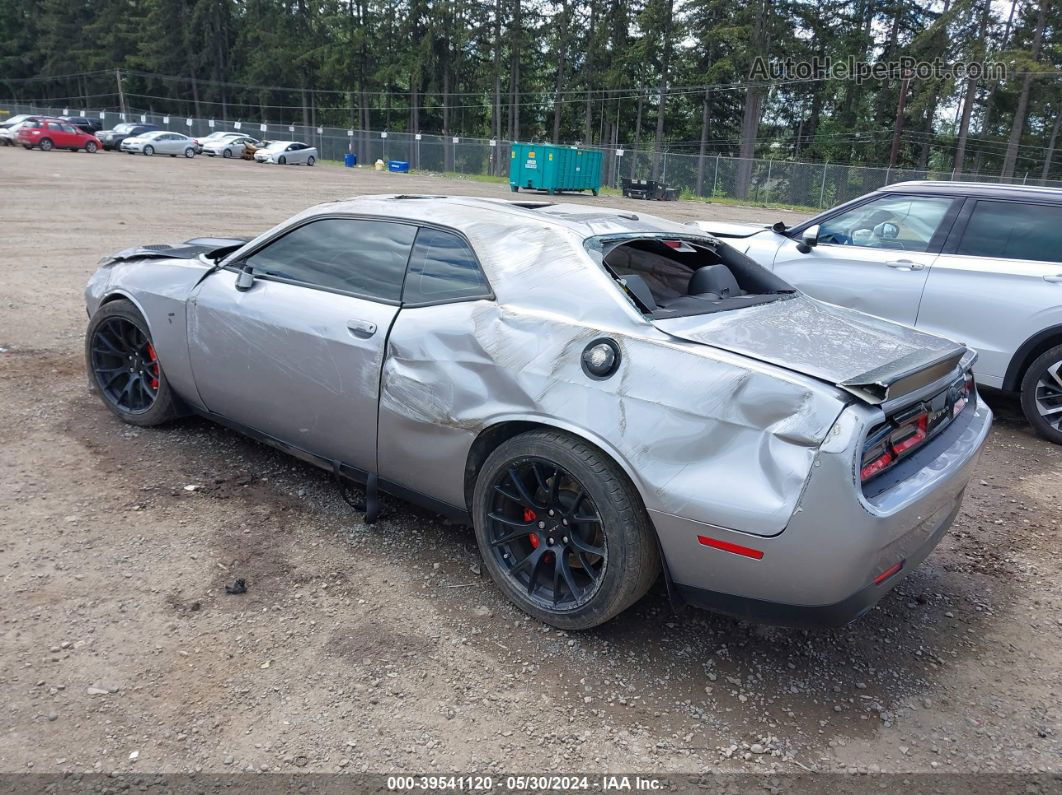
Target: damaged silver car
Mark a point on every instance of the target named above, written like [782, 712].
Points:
[606, 397]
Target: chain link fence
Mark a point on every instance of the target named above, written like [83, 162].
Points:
[756, 181]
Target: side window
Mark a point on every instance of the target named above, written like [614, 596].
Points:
[367, 258]
[67, 128]
[1012, 230]
[905, 223]
[442, 268]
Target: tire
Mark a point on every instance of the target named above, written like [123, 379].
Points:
[47, 145]
[117, 324]
[1041, 394]
[189, 152]
[607, 583]
[282, 161]
[91, 147]
[149, 150]
[226, 154]
[311, 160]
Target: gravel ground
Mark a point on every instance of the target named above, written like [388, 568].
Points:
[385, 649]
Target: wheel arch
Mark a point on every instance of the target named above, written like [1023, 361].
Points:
[1027, 353]
[500, 431]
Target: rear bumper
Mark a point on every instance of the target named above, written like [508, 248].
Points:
[821, 569]
[832, 615]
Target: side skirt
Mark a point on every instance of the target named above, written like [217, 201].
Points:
[353, 474]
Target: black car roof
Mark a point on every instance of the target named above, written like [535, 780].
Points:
[982, 190]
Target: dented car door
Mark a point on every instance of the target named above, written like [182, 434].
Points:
[296, 354]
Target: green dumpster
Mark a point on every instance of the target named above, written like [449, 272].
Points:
[554, 168]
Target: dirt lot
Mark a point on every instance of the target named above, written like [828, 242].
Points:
[383, 649]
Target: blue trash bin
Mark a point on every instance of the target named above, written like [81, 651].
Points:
[398, 166]
[350, 160]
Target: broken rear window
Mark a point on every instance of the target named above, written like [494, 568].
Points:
[675, 277]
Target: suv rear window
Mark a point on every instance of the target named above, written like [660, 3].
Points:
[1014, 230]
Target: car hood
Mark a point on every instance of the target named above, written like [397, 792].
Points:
[871, 358]
[729, 229]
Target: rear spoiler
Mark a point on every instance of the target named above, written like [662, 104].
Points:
[909, 374]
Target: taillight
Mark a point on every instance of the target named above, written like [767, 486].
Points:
[909, 435]
[877, 458]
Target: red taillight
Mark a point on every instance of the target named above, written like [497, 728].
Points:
[910, 435]
[726, 546]
[874, 467]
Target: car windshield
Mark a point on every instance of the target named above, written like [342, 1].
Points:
[152, 134]
[14, 120]
[681, 276]
[278, 146]
[124, 128]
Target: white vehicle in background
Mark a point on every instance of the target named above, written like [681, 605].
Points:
[160, 142]
[231, 145]
[9, 127]
[979, 263]
[215, 137]
[286, 153]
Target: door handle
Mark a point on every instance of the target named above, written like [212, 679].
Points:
[1054, 279]
[361, 328]
[904, 265]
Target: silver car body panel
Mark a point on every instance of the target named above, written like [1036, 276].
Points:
[715, 429]
[162, 141]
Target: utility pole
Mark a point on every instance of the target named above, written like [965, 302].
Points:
[899, 123]
[121, 91]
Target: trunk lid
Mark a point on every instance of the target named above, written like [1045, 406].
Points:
[871, 358]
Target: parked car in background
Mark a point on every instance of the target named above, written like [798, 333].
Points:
[202, 141]
[288, 153]
[603, 396]
[112, 139]
[87, 124]
[230, 146]
[9, 127]
[48, 134]
[160, 142]
[975, 262]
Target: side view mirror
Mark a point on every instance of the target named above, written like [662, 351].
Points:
[245, 281]
[887, 231]
[808, 239]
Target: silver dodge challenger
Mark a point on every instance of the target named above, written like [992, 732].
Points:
[607, 398]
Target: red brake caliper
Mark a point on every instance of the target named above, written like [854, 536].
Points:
[154, 365]
[530, 516]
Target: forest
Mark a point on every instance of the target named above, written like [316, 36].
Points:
[655, 75]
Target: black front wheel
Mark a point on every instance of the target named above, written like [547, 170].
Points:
[124, 367]
[562, 530]
[1041, 394]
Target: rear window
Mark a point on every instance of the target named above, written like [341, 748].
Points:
[1013, 230]
[678, 277]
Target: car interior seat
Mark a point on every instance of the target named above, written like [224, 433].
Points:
[714, 280]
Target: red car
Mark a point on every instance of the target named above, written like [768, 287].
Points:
[55, 134]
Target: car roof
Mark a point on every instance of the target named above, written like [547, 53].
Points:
[975, 189]
[461, 212]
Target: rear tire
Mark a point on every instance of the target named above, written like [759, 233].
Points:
[1041, 395]
[189, 152]
[123, 368]
[572, 499]
[47, 145]
[311, 160]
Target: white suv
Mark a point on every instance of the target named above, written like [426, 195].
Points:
[975, 262]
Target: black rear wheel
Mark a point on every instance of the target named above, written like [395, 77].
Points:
[124, 366]
[562, 530]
